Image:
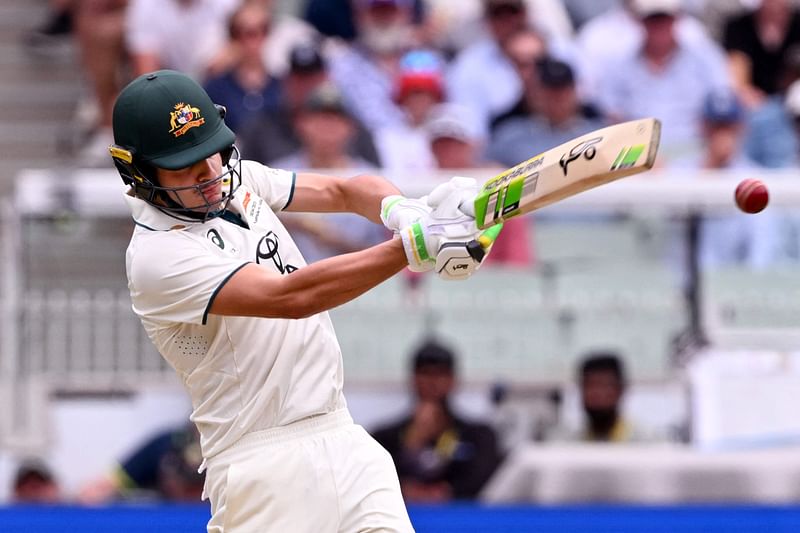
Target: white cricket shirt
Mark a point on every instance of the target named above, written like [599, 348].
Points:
[243, 374]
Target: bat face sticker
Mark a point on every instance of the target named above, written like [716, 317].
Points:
[587, 149]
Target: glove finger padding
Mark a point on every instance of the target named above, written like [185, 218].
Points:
[398, 212]
[454, 198]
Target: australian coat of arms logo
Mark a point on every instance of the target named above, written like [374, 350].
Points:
[184, 118]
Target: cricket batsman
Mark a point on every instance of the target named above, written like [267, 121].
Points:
[229, 302]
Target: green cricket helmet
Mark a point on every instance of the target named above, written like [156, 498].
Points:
[164, 119]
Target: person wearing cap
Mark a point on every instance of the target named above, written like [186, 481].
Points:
[418, 88]
[326, 130]
[453, 138]
[457, 147]
[228, 300]
[271, 135]
[663, 78]
[725, 239]
[556, 116]
[440, 455]
[618, 32]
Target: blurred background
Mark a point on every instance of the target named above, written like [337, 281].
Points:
[627, 360]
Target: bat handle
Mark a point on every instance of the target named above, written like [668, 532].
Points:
[477, 248]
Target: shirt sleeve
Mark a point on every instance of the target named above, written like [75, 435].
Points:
[174, 277]
[274, 185]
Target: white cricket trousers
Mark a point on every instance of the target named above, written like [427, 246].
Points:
[323, 474]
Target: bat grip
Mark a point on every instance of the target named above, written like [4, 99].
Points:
[478, 248]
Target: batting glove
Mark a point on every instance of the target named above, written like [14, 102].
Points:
[398, 212]
[463, 247]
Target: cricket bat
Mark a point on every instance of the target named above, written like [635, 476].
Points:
[581, 164]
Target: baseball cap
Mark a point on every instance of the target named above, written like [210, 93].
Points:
[305, 59]
[325, 98]
[432, 353]
[650, 8]
[420, 70]
[449, 121]
[723, 107]
[168, 120]
[554, 73]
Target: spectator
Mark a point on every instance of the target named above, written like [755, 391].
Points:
[98, 31]
[618, 32]
[482, 77]
[455, 146]
[757, 43]
[559, 118]
[246, 88]
[439, 455]
[602, 384]
[271, 135]
[733, 239]
[664, 79]
[35, 483]
[365, 70]
[454, 142]
[525, 49]
[184, 35]
[792, 107]
[166, 465]
[771, 139]
[325, 130]
[419, 87]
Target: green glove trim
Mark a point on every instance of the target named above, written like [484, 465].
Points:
[388, 207]
[419, 242]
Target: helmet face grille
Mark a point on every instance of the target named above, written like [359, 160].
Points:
[168, 200]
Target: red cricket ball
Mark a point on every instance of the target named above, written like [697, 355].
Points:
[752, 195]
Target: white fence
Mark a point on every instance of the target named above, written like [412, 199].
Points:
[601, 282]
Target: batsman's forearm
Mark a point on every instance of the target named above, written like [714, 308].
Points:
[363, 195]
[335, 281]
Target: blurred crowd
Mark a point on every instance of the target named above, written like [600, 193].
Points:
[441, 454]
[411, 86]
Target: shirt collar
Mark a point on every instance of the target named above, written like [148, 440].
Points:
[148, 217]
